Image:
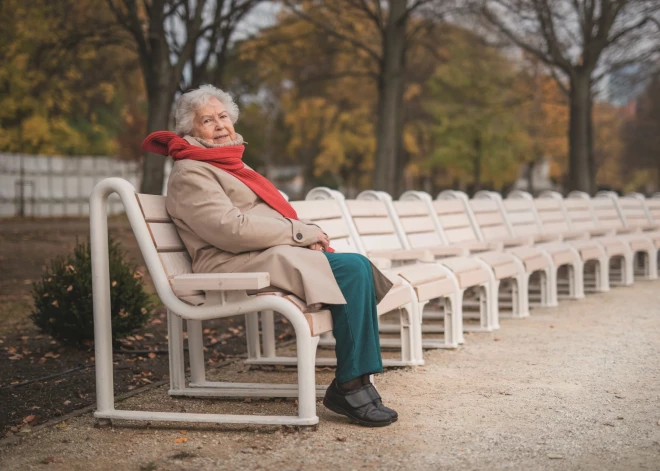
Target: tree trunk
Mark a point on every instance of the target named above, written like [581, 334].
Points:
[477, 164]
[580, 135]
[390, 100]
[153, 165]
[530, 176]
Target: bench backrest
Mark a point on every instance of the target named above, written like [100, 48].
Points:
[454, 221]
[552, 217]
[327, 214]
[374, 225]
[489, 217]
[634, 211]
[521, 216]
[417, 224]
[654, 208]
[580, 215]
[172, 253]
[607, 213]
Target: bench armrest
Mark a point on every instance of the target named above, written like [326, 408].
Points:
[601, 231]
[404, 255]
[381, 263]
[514, 241]
[575, 235]
[220, 281]
[540, 238]
[452, 251]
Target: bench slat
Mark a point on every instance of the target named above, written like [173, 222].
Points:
[165, 237]
[153, 208]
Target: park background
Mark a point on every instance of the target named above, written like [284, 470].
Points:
[392, 95]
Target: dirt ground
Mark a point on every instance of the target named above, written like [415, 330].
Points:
[41, 379]
[577, 387]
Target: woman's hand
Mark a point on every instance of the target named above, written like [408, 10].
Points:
[322, 244]
[323, 240]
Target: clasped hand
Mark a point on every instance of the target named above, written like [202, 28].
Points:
[322, 243]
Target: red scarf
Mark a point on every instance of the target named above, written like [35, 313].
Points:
[229, 159]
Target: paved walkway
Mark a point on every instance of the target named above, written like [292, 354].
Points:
[576, 387]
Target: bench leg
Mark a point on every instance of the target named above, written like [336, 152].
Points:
[268, 333]
[196, 351]
[175, 348]
[576, 275]
[520, 296]
[306, 346]
[252, 335]
[602, 275]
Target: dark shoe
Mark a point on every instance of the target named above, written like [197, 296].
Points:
[378, 402]
[356, 405]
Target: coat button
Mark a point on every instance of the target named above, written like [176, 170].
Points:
[299, 236]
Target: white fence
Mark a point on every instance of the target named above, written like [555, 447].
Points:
[37, 185]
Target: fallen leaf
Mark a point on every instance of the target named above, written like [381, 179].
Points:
[183, 432]
[55, 303]
[62, 426]
[180, 440]
[67, 402]
[114, 283]
[48, 460]
[29, 418]
[341, 439]
[247, 399]
[70, 288]
[152, 355]
[156, 322]
[139, 337]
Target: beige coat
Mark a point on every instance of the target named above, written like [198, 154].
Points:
[227, 228]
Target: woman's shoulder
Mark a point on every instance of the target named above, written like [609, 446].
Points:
[189, 168]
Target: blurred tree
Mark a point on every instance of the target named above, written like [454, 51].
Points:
[641, 136]
[60, 91]
[313, 84]
[380, 34]
[172, 36]
[609, 147]
[581, 42]
[479, 131]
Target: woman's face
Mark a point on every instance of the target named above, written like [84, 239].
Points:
[212, 123]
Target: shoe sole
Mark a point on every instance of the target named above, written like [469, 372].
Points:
[338, 410]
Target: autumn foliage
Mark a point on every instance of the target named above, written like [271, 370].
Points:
[472, 114]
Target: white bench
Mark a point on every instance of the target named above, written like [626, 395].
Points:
[194, 298]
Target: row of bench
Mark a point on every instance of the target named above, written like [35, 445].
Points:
[449, 258]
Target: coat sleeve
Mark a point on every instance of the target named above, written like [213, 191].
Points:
[199, 200]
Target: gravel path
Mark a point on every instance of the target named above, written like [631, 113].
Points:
[576, 387]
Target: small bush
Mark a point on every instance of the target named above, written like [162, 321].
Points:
[63, 297]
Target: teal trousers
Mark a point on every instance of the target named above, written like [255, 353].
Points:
[355, 324]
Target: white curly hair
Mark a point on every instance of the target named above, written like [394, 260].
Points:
[191, 101]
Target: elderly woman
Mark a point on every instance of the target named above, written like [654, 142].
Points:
[232, 219]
